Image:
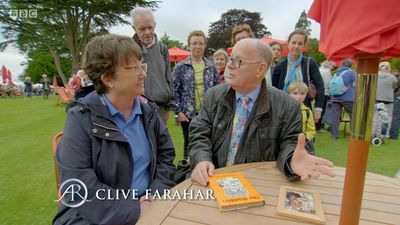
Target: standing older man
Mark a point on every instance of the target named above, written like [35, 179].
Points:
[158, 83]
[246, 121]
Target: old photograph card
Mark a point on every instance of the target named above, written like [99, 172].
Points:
[301, 204]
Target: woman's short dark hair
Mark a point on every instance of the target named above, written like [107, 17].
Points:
[275, 43]
[301, 32]
[104, 54]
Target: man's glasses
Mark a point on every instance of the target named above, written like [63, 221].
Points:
[139, 69]
[236, 63]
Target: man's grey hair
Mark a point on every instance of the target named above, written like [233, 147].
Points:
[347, 63]
[328, 64]
[264, 52]
[140, 11]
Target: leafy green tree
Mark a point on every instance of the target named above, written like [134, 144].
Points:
[304, 23]
[64, 25]
[395, 63]
[221, 30]
[170, 43]
[313, 50]
[41, 62]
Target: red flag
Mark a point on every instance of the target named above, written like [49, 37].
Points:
[4, 74]
[9, 77]
[55, 81]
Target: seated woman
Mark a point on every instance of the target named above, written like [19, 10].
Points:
[114, 142]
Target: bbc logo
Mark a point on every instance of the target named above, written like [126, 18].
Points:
[21, 13]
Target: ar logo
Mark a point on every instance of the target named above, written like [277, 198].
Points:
[73, 192]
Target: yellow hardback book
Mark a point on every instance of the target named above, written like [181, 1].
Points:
[232, 191]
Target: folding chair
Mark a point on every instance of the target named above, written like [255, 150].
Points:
[70, 90]
[55, 144]
[62, 94]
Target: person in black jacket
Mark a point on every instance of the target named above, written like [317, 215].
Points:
[115, 150]
[297, 67]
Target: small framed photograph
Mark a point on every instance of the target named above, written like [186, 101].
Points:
[301, 204]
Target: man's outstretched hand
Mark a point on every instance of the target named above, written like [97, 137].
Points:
[309, 166]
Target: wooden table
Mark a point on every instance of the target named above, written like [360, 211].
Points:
[381, 200]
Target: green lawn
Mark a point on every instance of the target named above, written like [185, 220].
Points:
[27, 183]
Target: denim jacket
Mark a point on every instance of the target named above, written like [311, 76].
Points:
[184, 85]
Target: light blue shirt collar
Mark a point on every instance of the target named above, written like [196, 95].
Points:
[252, 94]
[114, 111]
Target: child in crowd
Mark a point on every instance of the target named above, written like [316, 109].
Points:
[298, 90]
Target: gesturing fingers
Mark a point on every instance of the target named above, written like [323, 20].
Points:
[314, 174]
[325, 162]
[327, 170]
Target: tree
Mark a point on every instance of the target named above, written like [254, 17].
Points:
[221, 30]
[64, 27]
[304, 23]
[395, 63]
[170, 43]
[313, 50]
[41, 62]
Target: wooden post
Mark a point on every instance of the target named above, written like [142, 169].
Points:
[361, 126]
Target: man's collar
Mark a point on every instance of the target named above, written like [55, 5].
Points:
[140, 43]
[152, 43]
[252, 94]
[263, 105]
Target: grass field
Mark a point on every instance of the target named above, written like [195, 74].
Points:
[27, 183]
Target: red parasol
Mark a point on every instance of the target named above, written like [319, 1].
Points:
[177, 54]
[349, 27]
[4, 74]
[9, 77]
[365, 30]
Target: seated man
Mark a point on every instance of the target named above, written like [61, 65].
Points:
[245, 121]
